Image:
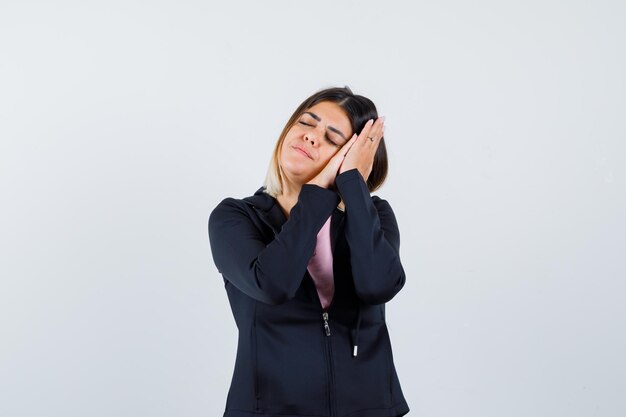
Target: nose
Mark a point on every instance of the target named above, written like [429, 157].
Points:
[311, 137]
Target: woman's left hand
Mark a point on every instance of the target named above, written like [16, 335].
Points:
[362, 151]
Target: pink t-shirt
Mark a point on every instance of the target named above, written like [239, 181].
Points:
[321, 266]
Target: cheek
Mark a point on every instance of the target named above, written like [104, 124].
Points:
[328, 153]
[283, 152]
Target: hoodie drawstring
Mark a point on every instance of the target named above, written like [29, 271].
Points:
[355, 344]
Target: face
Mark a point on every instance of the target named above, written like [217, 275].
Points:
[317, 135]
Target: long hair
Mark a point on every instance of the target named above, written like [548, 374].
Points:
[359, 110]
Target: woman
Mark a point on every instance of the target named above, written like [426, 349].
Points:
[308, 263]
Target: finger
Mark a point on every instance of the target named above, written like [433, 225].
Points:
[346, 147]
[366, 129]
[336, 161]
[376, 132]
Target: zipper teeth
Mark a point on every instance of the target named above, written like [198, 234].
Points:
[332, 378]
[326, 325]
[331, 375]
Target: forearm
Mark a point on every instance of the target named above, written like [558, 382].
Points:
[374, 247]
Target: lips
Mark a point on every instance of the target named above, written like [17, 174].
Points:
[302, 151]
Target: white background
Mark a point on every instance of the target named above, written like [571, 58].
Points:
[123, 124]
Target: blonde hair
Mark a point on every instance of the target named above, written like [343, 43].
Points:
[274, 178]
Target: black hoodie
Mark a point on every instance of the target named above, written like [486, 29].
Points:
[292, 359]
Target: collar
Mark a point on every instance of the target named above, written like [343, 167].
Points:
[268, 209]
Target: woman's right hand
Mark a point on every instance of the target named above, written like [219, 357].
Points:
[326, 177]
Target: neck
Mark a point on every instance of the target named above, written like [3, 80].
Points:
[289, 196]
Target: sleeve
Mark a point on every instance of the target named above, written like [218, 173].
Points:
[374, 240]
[269, 273]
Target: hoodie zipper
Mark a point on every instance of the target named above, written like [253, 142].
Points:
[329, 352]
[326, 325]
[328, 334]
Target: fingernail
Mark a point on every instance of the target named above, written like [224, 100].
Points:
[370, 121]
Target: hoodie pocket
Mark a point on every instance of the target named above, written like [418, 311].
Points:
[389, 363]
[291, 369]
[363, 381]
[255, 367]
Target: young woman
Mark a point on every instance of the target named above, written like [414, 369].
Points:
[308, 263]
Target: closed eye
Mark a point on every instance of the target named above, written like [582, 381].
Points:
[326, 136]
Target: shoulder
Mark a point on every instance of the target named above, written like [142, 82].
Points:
[229, 204]
[380, 203]
[231, 207]
[385, 212]
[228, 210]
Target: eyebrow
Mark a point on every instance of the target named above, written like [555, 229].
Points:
[316, 117]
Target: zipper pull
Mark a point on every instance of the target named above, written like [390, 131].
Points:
[326, 326]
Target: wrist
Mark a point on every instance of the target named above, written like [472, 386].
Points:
[316, 182]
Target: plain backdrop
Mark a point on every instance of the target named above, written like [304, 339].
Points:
[123, 124]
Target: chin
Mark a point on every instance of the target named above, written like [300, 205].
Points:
[297, 171]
